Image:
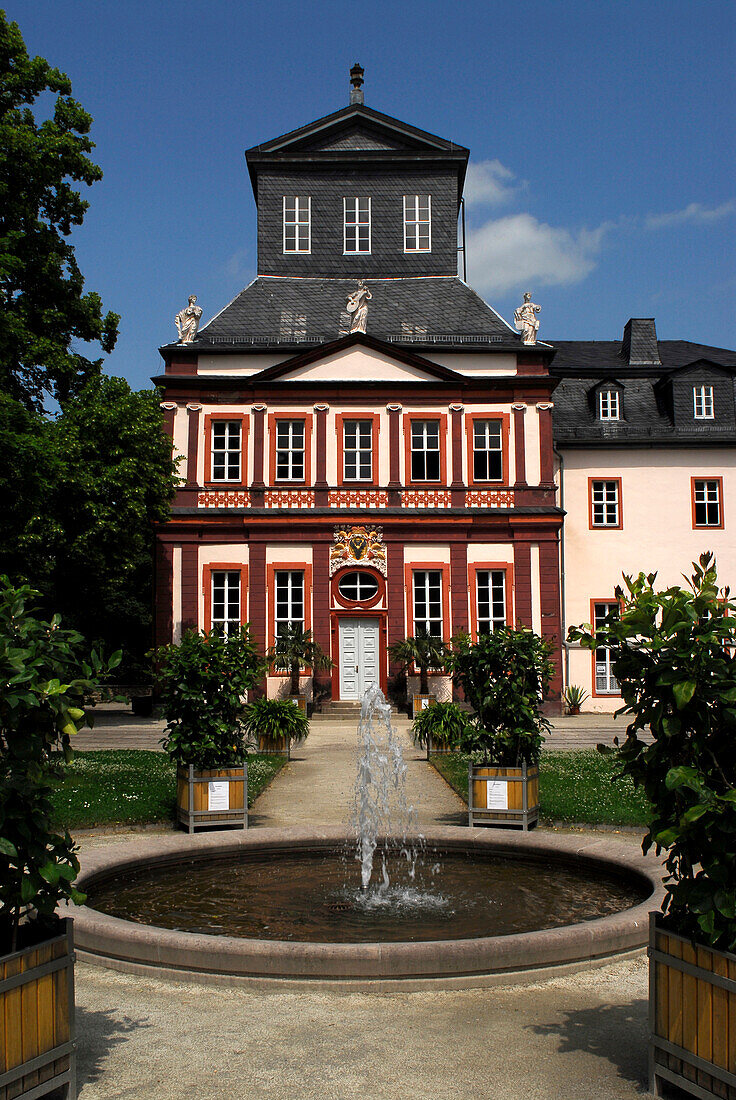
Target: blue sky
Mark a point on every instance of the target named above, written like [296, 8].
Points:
[601, 138]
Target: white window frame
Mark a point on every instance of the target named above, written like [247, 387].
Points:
[604, 682]
[291, 449]
[494, 582]
[361, 594]
[288, 595]
[230, 452]
[609, 405]
[299, 221]
[424, 449]
[413, 222]
[707, 493]
[426, 588]
[703, 405]
[606, 501]
[353, 222]
[359, 450]
[229, 582]
[488, 446]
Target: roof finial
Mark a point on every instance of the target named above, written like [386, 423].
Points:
[356, 79]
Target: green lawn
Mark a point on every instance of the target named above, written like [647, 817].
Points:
[133, 787]
[575, 788]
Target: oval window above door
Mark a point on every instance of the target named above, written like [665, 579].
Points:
[358, 587]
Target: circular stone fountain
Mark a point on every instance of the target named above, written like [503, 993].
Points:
[458, 905]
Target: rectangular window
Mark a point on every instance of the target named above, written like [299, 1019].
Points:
[707, 502]
[290, 450]
[226, 450]
[605, 503]
[491, 599]
[427, 593]
[357, 225]
[417, 223]
[289, 600]
[297, 223]
[425, 450]
[487, 450]
[225, 615]
[358, 450]
[703, 403]
[608, 405]
[605, 682]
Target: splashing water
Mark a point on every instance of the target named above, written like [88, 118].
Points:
[380, 809]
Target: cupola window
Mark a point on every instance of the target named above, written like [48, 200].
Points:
[357, 225]
[297, 223]
[417, 223]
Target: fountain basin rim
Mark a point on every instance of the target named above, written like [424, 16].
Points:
[126, 945]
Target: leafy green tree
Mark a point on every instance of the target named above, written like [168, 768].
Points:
[43, 307]
[674, 657]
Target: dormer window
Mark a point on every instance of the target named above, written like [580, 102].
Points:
[609, 407]
[417, 223]
[297, 223]
[703, 403]
[357, 225]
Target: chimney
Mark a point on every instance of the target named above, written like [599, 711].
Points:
[639, 346]
[356, 79]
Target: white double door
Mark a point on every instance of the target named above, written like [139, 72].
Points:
[359, 656]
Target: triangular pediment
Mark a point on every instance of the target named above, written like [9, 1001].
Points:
[701, 367]
[358, 358]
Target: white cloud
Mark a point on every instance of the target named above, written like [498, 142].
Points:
[694, 214]
[236, 264]
[518, 252]
[488, 182]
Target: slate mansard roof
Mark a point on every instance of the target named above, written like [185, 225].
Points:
[275, 311]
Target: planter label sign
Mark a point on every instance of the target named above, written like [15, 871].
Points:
[218, 795]
[497, 794]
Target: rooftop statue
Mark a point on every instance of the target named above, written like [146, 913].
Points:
[187, 321]
[526, 321]
[358, 306]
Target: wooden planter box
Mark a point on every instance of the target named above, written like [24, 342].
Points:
[212, 798]
[280, 746]
[421, 702]
[692, 1015]
[37, 1045]
[503, 796]
[299, 701]
[439, 749]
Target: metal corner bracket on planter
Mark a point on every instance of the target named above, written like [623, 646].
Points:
[503, 796]
[212, 797]
[692, 1015]
[37, 1044]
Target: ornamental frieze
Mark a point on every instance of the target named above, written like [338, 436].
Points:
[359, 545]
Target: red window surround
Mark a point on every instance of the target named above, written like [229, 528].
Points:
[278, 567]
[473, 568]
[244, 427]
[375, 419]
[224, 567]
[442, 567]
[605, 526]
[359, 605]
[710, 526]
[505, 432]
[307, 419]
[442, 419]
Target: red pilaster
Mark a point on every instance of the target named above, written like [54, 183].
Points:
[193, 446]
[169, 410]
[519, 446]
[321, 598]
[394, 451]
[459, 586]
[189, 586]
[259, 417]
[457, 488]
[320, 485]
[395, 595]
[257, 594]
[164, 594]
[523, 583]
[546, 455]
[549, 585]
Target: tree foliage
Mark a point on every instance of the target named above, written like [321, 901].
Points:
[43, 307]
[504, 675]
[442, 724]
[272, 719]
[296, 649]
[424, 651]
[674, 657]
[45, 681]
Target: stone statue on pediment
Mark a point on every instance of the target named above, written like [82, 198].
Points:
[187, 320]
[357, 306]
[526, 321]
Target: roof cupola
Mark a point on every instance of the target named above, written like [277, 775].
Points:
[356, 80]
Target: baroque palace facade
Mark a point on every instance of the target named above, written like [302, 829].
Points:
[371, 451]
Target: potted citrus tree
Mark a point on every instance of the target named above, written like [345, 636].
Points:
[674, 656]
[274, 725]
[46, 680]
[440, 728]
[294, 650]
[204, 682]
[504, 675]
[423, 652]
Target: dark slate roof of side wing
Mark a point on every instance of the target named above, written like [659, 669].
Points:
[604, 357]
[276, 311]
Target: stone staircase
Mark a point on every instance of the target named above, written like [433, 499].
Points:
[349, 711]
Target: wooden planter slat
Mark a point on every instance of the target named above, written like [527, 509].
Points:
[192, 800]
[278, 746]
[36, 1019]
[522, 786]
[692, 992]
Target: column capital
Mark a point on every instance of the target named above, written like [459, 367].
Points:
[520, 406]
